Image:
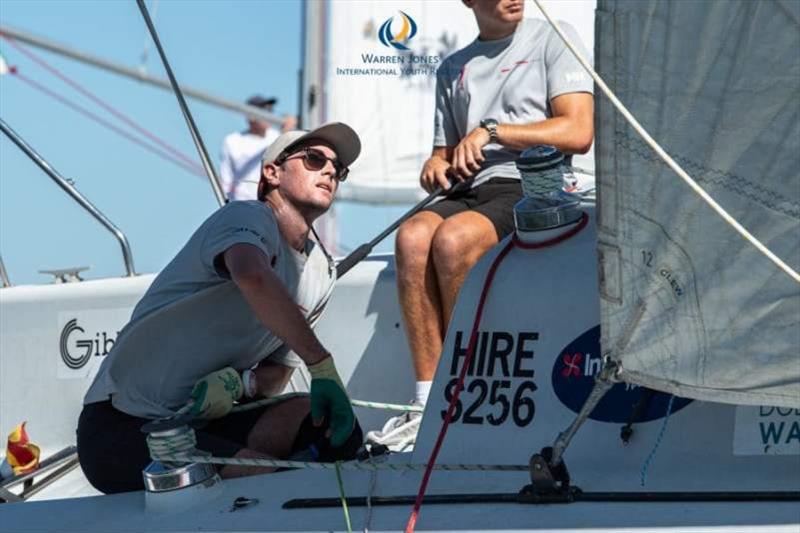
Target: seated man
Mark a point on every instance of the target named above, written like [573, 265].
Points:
[240, 294]
[515, 86]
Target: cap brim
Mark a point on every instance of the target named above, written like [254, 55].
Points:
[341, 137]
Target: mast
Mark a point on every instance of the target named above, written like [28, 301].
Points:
[312, 102]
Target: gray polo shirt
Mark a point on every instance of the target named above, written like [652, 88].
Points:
[194, 320]
[511, 80]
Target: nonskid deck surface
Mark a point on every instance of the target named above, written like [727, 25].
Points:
[128, 512]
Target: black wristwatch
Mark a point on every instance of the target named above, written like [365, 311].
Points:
[490, 125]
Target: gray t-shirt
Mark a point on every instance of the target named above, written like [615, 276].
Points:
[511, 80]
[194, 320]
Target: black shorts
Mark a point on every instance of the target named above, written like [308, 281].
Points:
[113, 451]
[494, 199]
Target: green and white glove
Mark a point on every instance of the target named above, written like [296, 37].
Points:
[329, 401]
[214, 395]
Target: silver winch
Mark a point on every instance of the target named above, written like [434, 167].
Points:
[545, 205]
[164, 476]
[170, 485]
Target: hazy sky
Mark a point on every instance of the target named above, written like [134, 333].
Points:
[232, 49]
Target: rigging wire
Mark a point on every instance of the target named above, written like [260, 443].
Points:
[108, 107]
[147, 40]
[103, 122]
[665, 156]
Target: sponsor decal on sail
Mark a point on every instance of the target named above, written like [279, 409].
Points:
[573, 377]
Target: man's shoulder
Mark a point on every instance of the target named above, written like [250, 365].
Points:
[245, 209]
[452, 65]
[534, 26]
[460, 56]
[232, 138]
[241, 217]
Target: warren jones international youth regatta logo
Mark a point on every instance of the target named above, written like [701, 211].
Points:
[407, 32]
[417, 61]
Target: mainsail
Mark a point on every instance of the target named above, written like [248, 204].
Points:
[688, 306]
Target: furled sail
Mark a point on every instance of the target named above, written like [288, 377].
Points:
[688, 306]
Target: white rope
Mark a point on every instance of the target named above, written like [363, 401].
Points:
[388, 406]
[356, 403]
[283, 397]
[351, 465]
[182, 442]
[665, 156]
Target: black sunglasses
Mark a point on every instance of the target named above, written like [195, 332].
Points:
[314, 159]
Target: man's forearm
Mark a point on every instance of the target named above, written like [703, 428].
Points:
[275, 309]
[571, 128]
[565, 133]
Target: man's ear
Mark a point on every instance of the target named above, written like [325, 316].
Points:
[269, 173]
[269, 180]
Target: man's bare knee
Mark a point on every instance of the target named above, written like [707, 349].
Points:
[275, 432]
[456, 247]
[450, 247]
[413, 241]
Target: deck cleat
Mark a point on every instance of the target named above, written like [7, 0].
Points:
[549, 483]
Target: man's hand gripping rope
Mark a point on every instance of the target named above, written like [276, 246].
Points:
[329, 400]
[213, 396]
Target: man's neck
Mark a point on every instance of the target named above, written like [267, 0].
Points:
[291, 223]
[493, 31]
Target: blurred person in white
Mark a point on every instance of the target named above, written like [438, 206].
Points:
[240, 164]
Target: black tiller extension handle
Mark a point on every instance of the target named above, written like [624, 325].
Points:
[355, 257]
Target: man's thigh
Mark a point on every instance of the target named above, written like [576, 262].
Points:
[496, 200]
[448, 207]
[225, 436]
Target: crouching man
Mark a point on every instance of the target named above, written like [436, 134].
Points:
[234, 303]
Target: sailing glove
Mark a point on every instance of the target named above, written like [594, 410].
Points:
[329, 401]
[213, 396]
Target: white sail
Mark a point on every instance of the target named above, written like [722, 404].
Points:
[391, 104]
[688, 306]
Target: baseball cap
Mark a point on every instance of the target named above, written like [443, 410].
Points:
[260, 101]
[340, 136]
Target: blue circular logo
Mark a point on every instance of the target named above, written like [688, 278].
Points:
[399, 40]
[573, 378]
